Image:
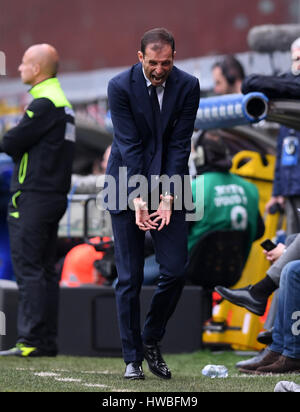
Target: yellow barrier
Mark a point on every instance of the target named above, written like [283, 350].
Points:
[243, 326]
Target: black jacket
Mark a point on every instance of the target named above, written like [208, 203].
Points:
[284, 86]
[42, 144]
[287, 171]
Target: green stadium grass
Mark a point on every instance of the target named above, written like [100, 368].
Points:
[82, 374]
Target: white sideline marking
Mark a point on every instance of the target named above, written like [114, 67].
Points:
[95, 385]
[68, 380]
[266, 375]
[58, 378]
[98, 372]
[46, 374]
[25, 369]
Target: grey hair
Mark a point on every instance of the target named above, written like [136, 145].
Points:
[296, 44]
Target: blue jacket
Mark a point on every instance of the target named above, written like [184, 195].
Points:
[134, 144]
[287, 171]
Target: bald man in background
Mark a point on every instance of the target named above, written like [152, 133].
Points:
[42, 147]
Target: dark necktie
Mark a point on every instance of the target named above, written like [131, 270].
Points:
[155, 110]
[155, 166]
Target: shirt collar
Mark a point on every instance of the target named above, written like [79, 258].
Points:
[148, 81]
[50, 89]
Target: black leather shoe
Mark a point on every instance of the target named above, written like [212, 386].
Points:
[243, 297]
[156, 363]
[265, 337]
[134, 371]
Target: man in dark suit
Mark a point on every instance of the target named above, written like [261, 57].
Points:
[153, 107]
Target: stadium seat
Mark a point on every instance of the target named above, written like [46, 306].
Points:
[218, 259]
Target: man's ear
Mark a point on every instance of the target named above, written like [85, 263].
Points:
[140, 56]
[36, 69]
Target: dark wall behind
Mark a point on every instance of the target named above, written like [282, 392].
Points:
[93, 34]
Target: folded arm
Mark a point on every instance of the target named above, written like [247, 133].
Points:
[37, 120]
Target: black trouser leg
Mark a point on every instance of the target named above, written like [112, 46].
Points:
[32, 240]
[129, 256]
[52, 292]
[171, 254]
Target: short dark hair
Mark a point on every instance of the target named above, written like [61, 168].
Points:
[158, 36]
[231, 68]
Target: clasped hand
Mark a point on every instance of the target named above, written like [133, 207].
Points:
[156, 220]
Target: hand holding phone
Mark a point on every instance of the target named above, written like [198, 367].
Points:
[268, 245]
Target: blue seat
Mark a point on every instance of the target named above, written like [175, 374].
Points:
[6, 269]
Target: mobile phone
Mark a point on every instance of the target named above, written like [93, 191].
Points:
[268, 245]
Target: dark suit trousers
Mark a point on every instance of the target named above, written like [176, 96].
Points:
[171, 253]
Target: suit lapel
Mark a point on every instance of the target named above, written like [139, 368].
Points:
[169, 100]
[141, 93]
